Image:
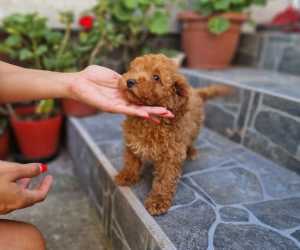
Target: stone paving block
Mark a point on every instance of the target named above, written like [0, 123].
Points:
[230, 186]
[277, 181]
[191, 223]
[296, 235]
[280, 129]
[250, 237]
[233, 214]
[208, 157]
[288, 106]
[280, 214]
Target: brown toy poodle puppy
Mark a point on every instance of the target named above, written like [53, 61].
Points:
[154, 80]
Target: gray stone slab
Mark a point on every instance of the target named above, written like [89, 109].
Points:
[264, 146]
[191, 225]
[131, 227]
[296, 235]
[290, 62]
[250, 237]
[288, 106]
[258, 80]
[277, 181]
[280, 214]
[209, 157]
[233, 214]
[96, 125]
[280, 129]
[230, 186]
[218, 119]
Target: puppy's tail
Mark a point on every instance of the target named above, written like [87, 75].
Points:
[213, 91]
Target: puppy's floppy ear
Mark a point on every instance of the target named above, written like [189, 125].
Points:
[180, 85]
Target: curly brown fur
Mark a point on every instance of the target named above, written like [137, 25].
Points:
[155, 81]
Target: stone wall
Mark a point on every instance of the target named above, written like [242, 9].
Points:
[270, 50]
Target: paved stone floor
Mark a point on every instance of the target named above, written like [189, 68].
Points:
[66, 218]
[229, 198]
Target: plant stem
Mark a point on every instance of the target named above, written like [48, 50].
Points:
[36, 57]
[96, 51]
[64, 42]
[11, 111]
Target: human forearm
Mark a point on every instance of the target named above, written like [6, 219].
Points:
[20, 84]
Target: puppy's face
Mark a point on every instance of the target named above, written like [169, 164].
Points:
[153, 80]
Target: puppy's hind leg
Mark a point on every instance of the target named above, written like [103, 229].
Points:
[192, 153]
[130, 174]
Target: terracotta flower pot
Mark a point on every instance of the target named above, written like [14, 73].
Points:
[37, 139]
[4, 144]
[205, 50]
[78, 109]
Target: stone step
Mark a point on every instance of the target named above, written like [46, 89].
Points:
[229, 198]
[263, 114]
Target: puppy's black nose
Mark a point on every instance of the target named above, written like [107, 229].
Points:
[131, 83]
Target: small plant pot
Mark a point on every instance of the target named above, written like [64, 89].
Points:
[37, 139]
[4, 144]
[78, 109]
[205, 50]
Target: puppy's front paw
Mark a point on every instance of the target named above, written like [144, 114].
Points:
[157, 205]
[126, 178]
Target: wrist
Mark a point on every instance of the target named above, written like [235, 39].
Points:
[64, 83]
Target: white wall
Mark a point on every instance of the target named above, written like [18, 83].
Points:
[266, 14]
[48, 8]
[51, 7]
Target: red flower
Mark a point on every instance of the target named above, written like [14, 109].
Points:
[86, 22]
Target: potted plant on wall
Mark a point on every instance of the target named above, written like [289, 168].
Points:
[96, 36]
[211, 31]
[36, 126]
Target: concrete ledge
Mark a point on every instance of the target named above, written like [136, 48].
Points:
[126, 222]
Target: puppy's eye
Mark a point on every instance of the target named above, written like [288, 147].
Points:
[156, 77]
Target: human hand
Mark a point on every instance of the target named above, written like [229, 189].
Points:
[14, 181]
[98, 86]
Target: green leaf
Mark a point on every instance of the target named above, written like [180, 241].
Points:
[218, 25]
[45, 107]
[131, 4]
[222, 4]
[121, 13]
[159, 23]
[25, 54]
[42, 49]
[13, 41]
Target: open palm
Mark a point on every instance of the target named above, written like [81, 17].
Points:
[98, 86]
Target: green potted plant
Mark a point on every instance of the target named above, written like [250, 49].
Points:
[30, 40]
[4, 135]
[137, 21]
[95, 37]
[211, 31]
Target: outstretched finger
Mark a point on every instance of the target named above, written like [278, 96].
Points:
[26, 171]
[159, 111]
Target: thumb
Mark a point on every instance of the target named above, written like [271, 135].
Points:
[26, 171]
